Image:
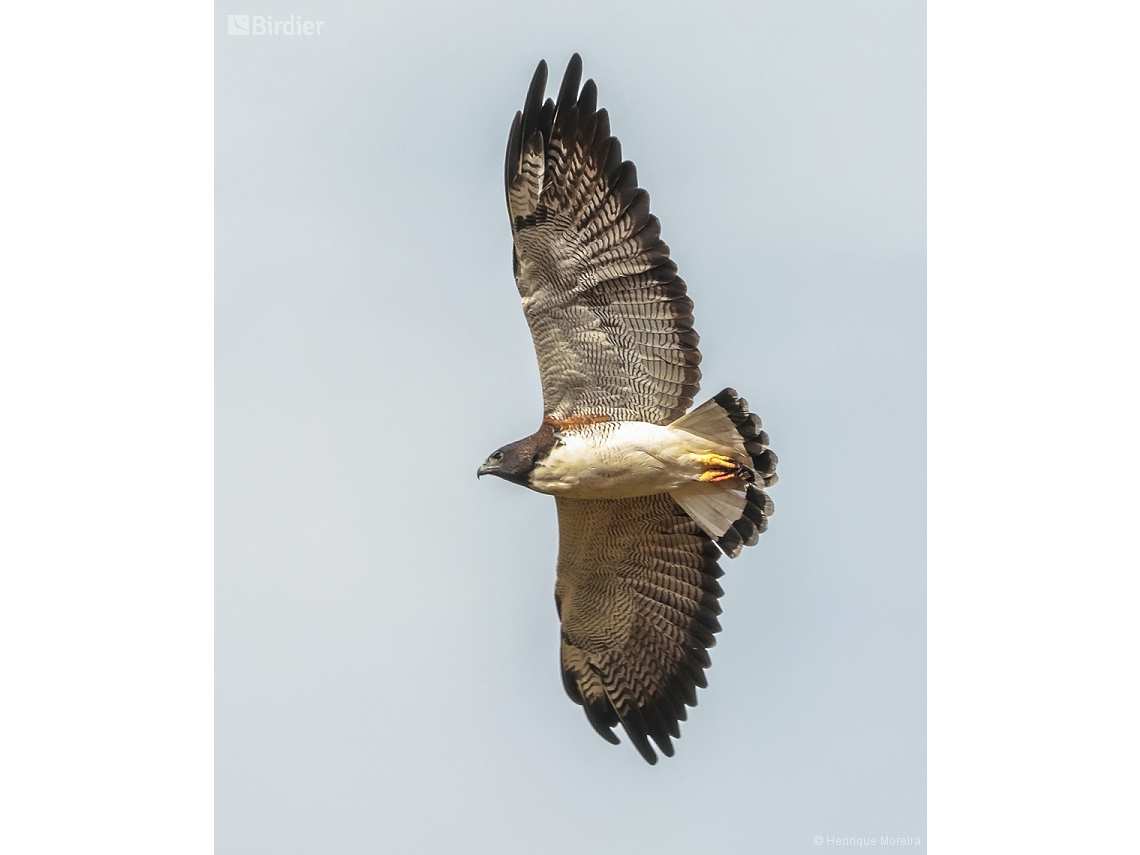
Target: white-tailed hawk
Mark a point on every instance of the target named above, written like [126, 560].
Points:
[648, 496]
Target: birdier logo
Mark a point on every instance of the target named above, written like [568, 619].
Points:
[265, 25]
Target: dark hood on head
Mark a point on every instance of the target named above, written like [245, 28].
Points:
[516, 461]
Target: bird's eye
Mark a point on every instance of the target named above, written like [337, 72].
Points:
[498, 455]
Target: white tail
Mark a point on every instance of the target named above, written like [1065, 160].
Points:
[732, 512]
[711, 421]
[714, 507]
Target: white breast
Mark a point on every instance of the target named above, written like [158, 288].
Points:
[616, 460]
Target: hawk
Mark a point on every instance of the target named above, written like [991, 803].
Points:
[648, 496]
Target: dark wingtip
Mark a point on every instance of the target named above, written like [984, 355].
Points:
[538, 82]
[641, 742]
[588, 98]
[514, 147]
[635, 728]
[658, 727]
[603, 721]
[568, 91]
[534, 100]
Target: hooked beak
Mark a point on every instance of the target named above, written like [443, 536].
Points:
[485, 470]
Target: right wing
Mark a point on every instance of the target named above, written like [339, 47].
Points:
[637, 596]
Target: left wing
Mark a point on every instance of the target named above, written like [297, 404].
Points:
[611, 323]
[637, 595]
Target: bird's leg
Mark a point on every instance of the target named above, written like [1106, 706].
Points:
[719, 469]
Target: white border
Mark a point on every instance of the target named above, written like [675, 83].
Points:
[106, 335]
[1033, 233]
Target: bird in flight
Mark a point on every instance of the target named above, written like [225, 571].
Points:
[648, 495]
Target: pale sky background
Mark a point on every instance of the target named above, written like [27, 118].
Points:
[387, 645]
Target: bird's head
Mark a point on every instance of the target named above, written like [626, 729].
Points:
[516, 461]
[511, 462]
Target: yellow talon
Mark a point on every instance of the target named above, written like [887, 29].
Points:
[715, 476]
[715, 461]
[720, 468]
